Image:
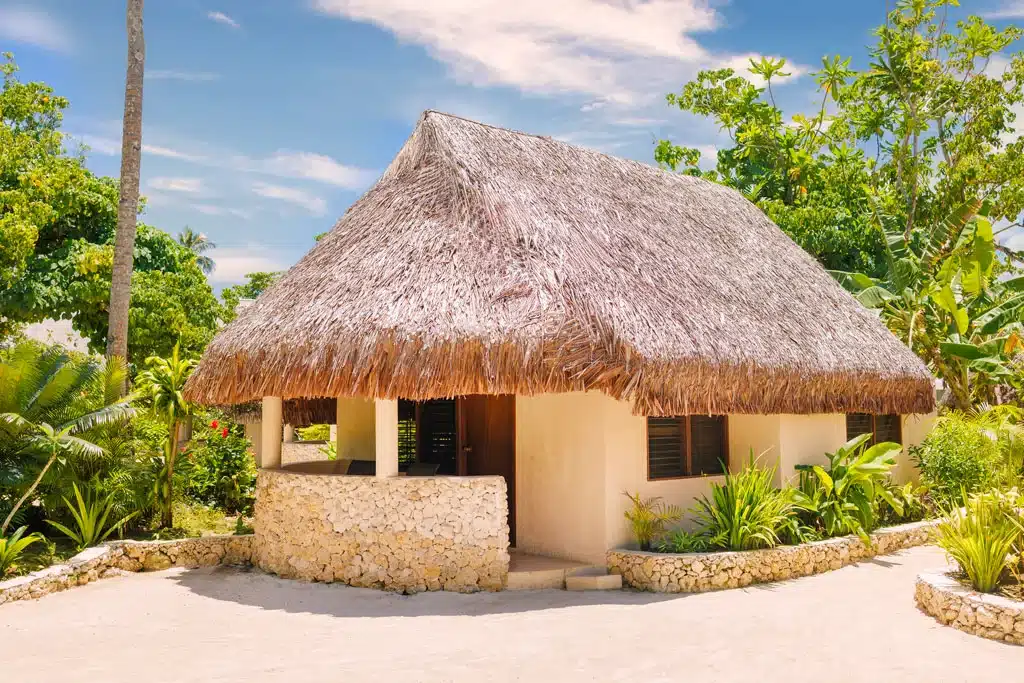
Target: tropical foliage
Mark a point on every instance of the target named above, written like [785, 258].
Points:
[843, 498]
[649, 518]
[981, 538]
[746, 511]
[883, 181]
[12, 547]
[161, 385]
[91, 514]
[49, 403]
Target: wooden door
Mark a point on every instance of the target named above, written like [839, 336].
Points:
[487, 431]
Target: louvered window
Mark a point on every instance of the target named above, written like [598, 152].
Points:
[406, 434]
[427, 433]
[686, 446]
[881, 427]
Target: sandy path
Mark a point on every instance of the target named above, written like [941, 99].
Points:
[855, 624]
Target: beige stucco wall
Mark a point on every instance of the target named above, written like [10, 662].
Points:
[560, 477]
[915, 429]
[356, 429]
[577, 454]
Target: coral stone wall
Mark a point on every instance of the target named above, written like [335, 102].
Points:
[404, 534]
[988, 616]
[699, 572]
[118, 557]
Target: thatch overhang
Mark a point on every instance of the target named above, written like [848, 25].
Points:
[490, 261]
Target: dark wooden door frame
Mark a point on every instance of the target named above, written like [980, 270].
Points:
[465, 451]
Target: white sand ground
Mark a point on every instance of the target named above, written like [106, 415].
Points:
[855, 624]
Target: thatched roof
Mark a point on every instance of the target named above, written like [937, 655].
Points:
[297, 412]
[490, 261]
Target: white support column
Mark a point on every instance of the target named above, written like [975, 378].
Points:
[386, 437]
[271, 433]
[289, 434]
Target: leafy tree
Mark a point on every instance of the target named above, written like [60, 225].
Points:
[46, 414]
[198, 244]
[255, 285]
[45, 195]
[927, 127]
[162, 384]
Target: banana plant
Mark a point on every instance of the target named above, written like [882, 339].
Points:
[941, 296]
[841, 499]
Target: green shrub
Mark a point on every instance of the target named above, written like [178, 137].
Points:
[745, 512]
[12, 547]
[980, 538]
[648, 518]
[960, 455]
[314, 433]
[90, 513]
[220, 471]
[843, 498]
[679, 541]
[914, 504]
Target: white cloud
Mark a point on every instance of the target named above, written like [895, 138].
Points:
[621, 51]
[311, 203]
[222, 18]
[33, 27]
[310, 166]
[232, 265]
[187, 185]
[173, 75]
[1010, 9]
[282, 164]
[213, 210]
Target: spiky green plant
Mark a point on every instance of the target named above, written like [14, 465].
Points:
[649, 517]
[980, 538]
[746, 511]
[13, 546]
[90, 513]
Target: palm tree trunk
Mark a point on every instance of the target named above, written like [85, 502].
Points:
[21, 501]
[128, 202]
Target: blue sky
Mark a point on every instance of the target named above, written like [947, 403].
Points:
[265, 119]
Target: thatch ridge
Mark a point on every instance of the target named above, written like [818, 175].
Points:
[490, 261]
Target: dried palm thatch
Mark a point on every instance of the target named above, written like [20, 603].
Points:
[490, 261]
[296, 412]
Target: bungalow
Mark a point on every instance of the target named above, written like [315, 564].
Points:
[510, 332]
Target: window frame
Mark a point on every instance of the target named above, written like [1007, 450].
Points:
[874, 427]
[687, 455]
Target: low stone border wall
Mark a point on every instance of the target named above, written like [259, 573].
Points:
[953, 604]
[406, 534]
[700, 572]
[118, 557]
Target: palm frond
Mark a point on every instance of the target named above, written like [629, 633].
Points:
[112, 414]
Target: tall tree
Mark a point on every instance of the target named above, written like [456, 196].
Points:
[198, 244]
[128, 204]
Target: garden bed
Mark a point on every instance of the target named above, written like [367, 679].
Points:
[942, 596]
[118, 557]
[700, 572]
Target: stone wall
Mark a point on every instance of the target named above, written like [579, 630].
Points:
[302, 451]
[405, 534]
[981, 614]
[700, 572]
[118, 557]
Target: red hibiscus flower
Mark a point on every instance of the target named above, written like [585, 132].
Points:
[224, 433]
[213, 425]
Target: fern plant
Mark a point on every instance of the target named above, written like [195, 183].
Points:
[649, 517]
[90, 513]
[12, 547]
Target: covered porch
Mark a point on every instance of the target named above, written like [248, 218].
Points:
[420, 496]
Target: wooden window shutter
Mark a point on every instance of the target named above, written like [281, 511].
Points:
[708, 447]
[666, 447]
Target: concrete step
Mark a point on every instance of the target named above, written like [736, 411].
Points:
[593, 578]
[536, 579]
